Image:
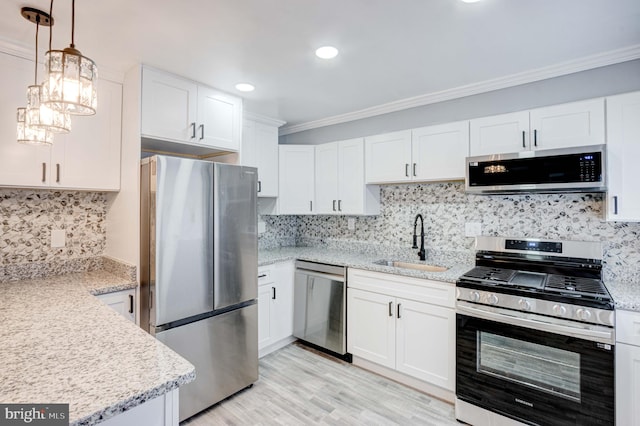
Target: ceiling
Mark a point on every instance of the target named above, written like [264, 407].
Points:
[390, 50]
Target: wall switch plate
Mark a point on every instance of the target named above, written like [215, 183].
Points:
[472, 229]
[58, 238]
[351, 224]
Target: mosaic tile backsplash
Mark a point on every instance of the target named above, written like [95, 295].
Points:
[28, 216]
[446, 208]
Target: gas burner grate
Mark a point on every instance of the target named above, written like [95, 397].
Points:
[490, 274]
[565, 283]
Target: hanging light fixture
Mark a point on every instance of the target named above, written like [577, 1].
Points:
[71, 82]
[38, 114]
[29, 135]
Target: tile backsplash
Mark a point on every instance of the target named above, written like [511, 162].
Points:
[446, 208]
[28, 216]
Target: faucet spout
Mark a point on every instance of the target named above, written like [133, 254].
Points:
[421, 252]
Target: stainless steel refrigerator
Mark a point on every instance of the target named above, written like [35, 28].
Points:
[199, 258]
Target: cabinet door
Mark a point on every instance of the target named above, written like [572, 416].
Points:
[168, 107]
[265, 335]
[267, 161]
[20, 165]
[351, 186]
[219, 119]
[388, 157]
[296, 179]
[371, 331]
[282, 308]
[567, 125]
[499, 134]
[627, 384]
[623, 148]
[425, 342]
[326, 181]
[123, 302]
[89, 156]
[439, 152]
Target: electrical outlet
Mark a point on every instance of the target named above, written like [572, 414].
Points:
[351, 224]
[58, 238]
[472, 229]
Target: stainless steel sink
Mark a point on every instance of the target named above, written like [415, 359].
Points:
[411, 265]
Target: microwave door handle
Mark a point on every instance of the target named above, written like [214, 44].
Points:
[592, 335]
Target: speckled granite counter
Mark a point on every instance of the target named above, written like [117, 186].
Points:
[59, 344]
[363, 261]
[625, 295]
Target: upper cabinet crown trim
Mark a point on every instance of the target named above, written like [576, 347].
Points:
[581, 64]
[263, 119]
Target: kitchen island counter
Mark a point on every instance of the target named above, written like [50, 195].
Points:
[60, 344]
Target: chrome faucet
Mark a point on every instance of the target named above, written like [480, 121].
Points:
[421, 253]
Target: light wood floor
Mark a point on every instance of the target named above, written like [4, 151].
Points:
[299, 386]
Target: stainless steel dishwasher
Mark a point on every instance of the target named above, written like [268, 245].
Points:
[319, 309]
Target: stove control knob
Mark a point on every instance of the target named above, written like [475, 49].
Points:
[492, 299]
[525, 305]
[474, 296]
[559, 310]
[583, 314]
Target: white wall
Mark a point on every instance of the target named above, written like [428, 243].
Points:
[609, 80]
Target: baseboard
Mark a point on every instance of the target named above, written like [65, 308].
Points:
[275, 346]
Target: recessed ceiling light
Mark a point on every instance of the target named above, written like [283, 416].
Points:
[327, 52]
[470, 1]
[245, 87]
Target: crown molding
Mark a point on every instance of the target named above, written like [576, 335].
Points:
[569, 67]
[14, 48]
[263, 119]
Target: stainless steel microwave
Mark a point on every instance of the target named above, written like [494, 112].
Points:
[577, 169]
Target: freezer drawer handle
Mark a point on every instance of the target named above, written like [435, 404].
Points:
[131, 303]
[274, 293]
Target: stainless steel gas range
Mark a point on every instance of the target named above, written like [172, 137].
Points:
[535, 336]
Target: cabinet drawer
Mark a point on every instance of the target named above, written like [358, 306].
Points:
[628, 327]
[265, 275]
[417, 289]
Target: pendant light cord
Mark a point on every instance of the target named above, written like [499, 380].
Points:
[50, 31]
[35, 78]
[73, 22]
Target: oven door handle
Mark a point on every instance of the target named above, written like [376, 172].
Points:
[492, 314]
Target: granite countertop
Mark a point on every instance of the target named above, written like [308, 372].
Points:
[363, 261]
[59, 344]
[625, 295]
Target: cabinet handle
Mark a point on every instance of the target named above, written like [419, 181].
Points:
[201, 131]
[615, 204]
[310, 206]
[259, 186]
[334, 205]
[44, 172]
[535, 137]
[523, 142]
[414, 169]
[193, 130]
[131, 303]
[339, 205]
[57, 172]
[262, 275]
[274, 293]
[406, 170]
[390, 309]
[399, 304]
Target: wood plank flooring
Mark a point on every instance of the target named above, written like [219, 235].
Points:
[299, 386]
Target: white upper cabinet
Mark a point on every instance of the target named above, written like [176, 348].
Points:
[623, 150]
[499, 134]
[388, 157]
[340, 186]
[296, 179]
[438, 152]
[260, 149]
[558, 126]
[88, 158]
[178, 110]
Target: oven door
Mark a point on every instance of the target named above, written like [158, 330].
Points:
[536, 377]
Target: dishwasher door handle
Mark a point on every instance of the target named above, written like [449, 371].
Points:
[315, 274]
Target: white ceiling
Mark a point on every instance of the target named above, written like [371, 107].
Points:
[389, 49]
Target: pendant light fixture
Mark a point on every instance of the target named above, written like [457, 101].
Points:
[70, 85]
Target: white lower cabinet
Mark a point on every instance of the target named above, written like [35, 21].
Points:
[627, 368]
[123, 302]
[275, 306]
[404, 324]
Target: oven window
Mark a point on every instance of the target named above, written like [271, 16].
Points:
[545, 368]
